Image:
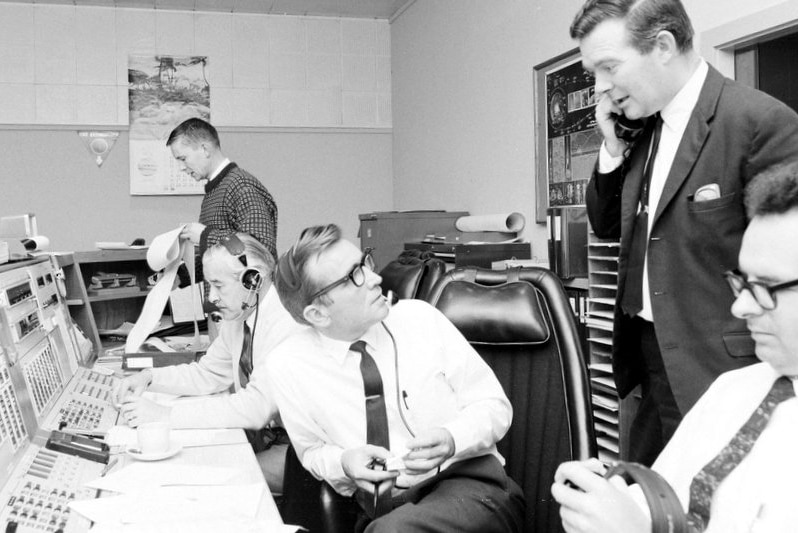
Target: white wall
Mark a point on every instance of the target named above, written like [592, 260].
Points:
[462, 95]
[62, 64]
[463, 118]
[301, 102]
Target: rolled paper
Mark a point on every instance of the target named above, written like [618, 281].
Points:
[36, 243]
[165, 249]
[505, 222]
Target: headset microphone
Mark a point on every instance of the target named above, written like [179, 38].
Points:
[391, 298]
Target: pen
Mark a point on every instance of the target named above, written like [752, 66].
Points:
[109, 466]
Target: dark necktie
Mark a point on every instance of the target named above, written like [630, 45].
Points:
[632, 300]
[714, 472]
[376, 423]
[245, 362]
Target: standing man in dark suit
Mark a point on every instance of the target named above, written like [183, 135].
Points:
[674, 198]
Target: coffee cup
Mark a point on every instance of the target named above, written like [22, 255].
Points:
[153, 437]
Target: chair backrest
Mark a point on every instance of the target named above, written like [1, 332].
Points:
[412, 274]
[521, 323]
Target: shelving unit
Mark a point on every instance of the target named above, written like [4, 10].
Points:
[104, 309]
[77, 299]
[602, 262]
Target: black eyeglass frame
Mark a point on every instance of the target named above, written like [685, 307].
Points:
[366, 260]
[735, 278]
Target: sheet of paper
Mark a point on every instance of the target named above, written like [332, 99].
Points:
[175, 504]
[207, 437]
[239, 525]
[186, 304]
[144, 476]
[124, 436]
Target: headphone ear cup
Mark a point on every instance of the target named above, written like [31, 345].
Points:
[251, 279]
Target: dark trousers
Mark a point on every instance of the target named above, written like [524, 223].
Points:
[658, 414]
[474, 495]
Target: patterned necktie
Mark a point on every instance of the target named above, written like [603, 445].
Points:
[714, 472]
[376, 423]
[245, 362]
[632, 299]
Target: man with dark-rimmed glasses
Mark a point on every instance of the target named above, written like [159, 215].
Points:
[389, 404]
[751, 472]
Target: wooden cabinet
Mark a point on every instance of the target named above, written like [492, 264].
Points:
[96, 309]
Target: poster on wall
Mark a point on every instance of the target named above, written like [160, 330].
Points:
[568, 140]
[163, 91]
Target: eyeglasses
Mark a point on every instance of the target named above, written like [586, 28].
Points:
[763, 294]
[357, 275]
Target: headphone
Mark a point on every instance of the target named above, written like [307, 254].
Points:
[667, 515]
[250, 278]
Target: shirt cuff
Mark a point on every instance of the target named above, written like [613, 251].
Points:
[607, 162]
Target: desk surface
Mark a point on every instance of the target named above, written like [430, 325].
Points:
[238, 456]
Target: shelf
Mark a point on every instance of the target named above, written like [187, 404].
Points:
[117, 296]
[600, 340]
[601, 314]
[601, 367]
[105, 308]
[602, 293]
[605, 286]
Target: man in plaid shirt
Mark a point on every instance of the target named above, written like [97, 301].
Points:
[235, 200]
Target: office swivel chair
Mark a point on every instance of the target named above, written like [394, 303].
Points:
[412, 274]
[521, 323]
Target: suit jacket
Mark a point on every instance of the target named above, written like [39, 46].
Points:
[734, 132]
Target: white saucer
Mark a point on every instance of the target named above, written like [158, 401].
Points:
[135, 453]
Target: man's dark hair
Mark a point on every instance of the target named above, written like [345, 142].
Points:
[294, 285]
[644, 20]
[773, 191]
[195, 131]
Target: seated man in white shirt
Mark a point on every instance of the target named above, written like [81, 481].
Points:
[415, 415]
[758, 490]
[239, 272]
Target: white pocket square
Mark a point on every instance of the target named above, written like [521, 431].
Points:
[707, 192]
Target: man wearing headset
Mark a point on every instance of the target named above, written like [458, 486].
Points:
[443, 410]
[239, 272]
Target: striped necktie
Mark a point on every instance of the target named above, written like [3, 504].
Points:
[714, 472]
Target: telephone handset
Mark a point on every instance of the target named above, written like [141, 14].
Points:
[627, 129]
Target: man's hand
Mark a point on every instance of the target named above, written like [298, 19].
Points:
[131, 386]
[192, 232]
[605, 107]
[428, 450]
[356, 464]
[138, 410]
[591, 504]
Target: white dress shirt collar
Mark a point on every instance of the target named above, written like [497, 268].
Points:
[339, 350]
[677, 112]
[218, 169]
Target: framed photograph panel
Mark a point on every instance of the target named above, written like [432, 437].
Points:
[566, 138]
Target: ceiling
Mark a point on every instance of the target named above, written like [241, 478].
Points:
[381, 9]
